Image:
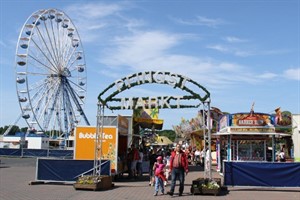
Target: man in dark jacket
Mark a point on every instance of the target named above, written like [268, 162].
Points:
[179, 168]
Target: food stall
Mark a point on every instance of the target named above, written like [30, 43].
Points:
[248, 143]
[249, 136]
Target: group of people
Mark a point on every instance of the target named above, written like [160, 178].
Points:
[197, 157]
[165, 165]
[134, 161]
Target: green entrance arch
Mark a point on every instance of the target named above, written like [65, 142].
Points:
[153, 77]
[108, 99]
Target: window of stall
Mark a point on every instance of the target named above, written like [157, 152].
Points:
[249, 150]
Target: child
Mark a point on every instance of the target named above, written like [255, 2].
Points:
[158, 167]
[167, 167]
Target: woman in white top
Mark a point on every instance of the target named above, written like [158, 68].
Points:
[167, 167]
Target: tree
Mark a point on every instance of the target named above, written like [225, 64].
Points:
[168, 133]
[24, 129]
[12, 131]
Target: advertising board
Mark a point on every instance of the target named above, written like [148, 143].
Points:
[85, 141]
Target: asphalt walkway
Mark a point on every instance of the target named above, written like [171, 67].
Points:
[17, 173]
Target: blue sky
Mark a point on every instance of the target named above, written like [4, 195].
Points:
[240, 51]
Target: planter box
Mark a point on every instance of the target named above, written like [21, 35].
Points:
[197, 188]
[200, 181]
[211, 191]
[104, 184]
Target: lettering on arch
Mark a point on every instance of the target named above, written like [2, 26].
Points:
[197, 92]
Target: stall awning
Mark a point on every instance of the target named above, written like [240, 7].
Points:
[149, 123]
[162, 141]
[252, 133]
[245, 133]
[250, 130]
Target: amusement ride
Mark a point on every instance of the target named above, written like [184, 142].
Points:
[51, 76]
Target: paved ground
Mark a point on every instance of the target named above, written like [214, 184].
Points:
[16, 173]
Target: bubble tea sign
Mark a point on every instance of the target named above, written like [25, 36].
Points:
[85, 137]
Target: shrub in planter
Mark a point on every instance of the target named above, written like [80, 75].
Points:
[210, 187]
[93, 183]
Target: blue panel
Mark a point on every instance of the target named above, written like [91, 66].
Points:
[10, 152]
[267, 174]
[61, 153]
[67, 170]
[37, 153]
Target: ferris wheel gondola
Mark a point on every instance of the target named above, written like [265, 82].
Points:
[51, 73]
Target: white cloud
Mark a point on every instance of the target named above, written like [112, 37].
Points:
[232, 39]
[238, 51]
[218, 47]
[200, 21]
[209, 22]
[268, 75]
[131, 23]
[96, 27]
[242, 53]
[153, 51]
[274, 52]
[293, 74]
[110, 73]
[93, 10]
[133, 50]
[95, 20]
[230, 50]
[127, 49]
[234, 47]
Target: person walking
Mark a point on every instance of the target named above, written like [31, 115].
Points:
[179, 168]
[167, 167]
[197, 157]
[158, 167]
[128, 162]
[152, 159]
[140, 163]
[202, 156]
[135, 158]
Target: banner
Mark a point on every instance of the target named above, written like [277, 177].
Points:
[267, 174]
[85, 140]
[67, 170]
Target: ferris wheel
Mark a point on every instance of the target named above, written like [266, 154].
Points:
[51, 73]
